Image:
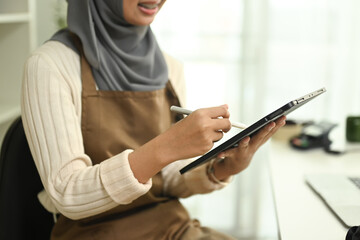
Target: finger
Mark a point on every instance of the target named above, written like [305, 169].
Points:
[281, 119]
[221, 155]
[271, 128]
[257, 140]
[222, 124]
[244, 143]
[242, 146]
[263, 132]
[279, 123]
[216, 112]
[217, 135]
[225, 106]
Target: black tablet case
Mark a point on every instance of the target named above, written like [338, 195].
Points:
[251, 130]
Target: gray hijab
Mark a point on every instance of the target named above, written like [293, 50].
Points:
[122, 56]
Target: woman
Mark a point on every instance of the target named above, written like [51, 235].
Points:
[95, 107]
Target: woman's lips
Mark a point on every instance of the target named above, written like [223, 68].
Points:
[149, 8]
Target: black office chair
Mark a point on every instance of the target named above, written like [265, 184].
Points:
[21, 214]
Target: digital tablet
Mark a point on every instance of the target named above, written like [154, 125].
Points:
[252, 129]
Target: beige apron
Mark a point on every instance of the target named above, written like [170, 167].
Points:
[113, 121]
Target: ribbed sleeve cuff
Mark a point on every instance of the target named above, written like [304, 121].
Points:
[119, 180]
[198, 181]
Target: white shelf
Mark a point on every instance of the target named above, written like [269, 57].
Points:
[8, 113]
[14, 17]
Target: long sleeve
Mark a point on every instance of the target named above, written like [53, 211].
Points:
[51, 114]
[51, 110]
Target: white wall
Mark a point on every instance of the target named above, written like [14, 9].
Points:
[48, 12]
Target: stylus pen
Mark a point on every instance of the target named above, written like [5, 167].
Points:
[187, 112]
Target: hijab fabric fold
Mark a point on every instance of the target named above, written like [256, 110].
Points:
[122, 56]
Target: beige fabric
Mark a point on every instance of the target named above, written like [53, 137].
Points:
[196, 232]
[51, 97]
[106, 132]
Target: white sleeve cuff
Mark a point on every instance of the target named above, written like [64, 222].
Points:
[197, 180]
[193, 182]
[119, 180]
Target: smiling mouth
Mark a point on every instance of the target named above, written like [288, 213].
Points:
[148, 6]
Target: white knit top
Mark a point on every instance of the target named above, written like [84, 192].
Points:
[51, 114]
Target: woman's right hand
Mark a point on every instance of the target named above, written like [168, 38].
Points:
[192, 136]
[195, 134]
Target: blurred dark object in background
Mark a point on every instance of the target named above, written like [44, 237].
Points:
[353, 129]
[315, 135]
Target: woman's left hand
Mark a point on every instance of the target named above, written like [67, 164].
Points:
[239, 158]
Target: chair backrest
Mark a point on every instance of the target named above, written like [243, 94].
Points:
[21, 214]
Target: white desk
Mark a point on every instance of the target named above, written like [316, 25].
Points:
[301, 214]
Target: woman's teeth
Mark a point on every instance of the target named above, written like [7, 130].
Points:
[148, 6]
